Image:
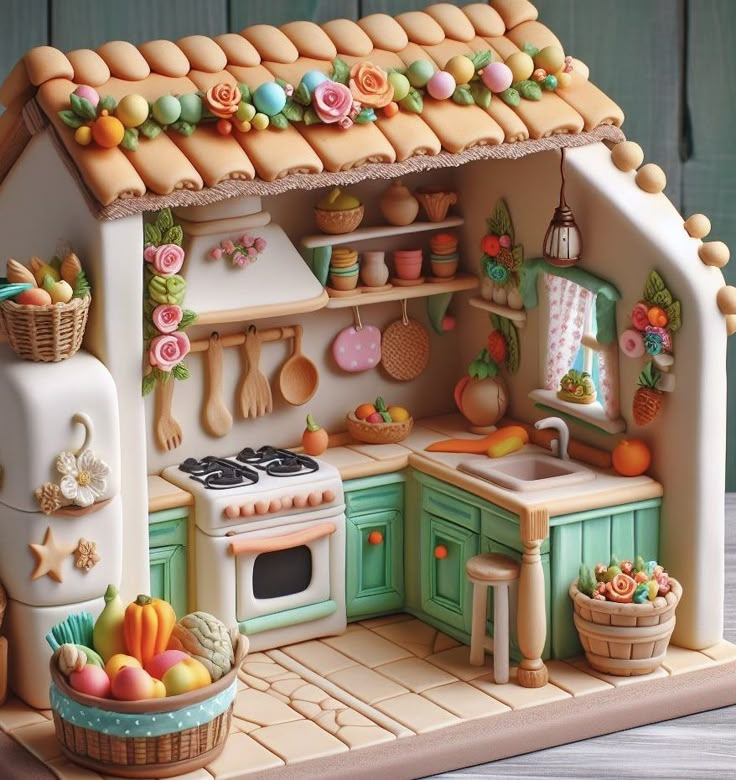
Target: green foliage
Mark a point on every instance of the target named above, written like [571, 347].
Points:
[586, 580]
[148, 384]
[649, 377]
[245, 93]
[528, 89]
[164, 220]
[81, 286]
[184, 128]
[366, 115]
[483, 367]
[481, 94]
[518, 253]
[302, 94]
[340, 71]
[279, 121]
[151, 234]
[107, 103]
[82, 107]
[150, 128]
[413, 102]
[180, 372]
[639, 564]
[530, 49]
[70, 119]
[293, 110]
[463, 96]
[511, 97]
[130, 139]
[75, 630]
[511, 334]
[188, 318]
[674, 315]
[310, 117]
[657, 294]
[499, 223]
[481, 59]
[174, 235]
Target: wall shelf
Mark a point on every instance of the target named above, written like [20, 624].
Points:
[515, 315]
[588, 414]
[262, 312]
[380, 231]
[459, 283]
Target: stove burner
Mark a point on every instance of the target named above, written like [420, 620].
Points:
[217, 473]
[276, 462]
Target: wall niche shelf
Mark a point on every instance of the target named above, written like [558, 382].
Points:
[397, 293]
[252, 313]
[518, 316]
[379, 231]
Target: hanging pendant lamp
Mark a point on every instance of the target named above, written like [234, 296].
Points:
[563, 244]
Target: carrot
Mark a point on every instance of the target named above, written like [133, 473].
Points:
[480, 446]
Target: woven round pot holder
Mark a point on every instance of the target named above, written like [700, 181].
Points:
[405, 348]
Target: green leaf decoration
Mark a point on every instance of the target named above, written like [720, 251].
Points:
[283, 84]
[663, 299]
[148, 384]
[481, 94]
[500, 221]
[188, 318]
[510, 97]
[530, 49]
[82, 107]
[164, 220]
[279, 121]
[81, 286]
[151, 234]
[366, 115]
[130, 139]
[184, 128]
[413, 102]
[302, 94]
[481, 59]
[150, 129]
[180, 372]
[107, 103]
[161, 376]
[518, 253]
[293, 111]
[655, 284]
[340, 71]
[674, 315]
[148, 307]
[310, 117]
[70, 119]
[463, 96]
[174, 235]
[55, 263]
[513, 356]
[245, 93]
[149, 330]
[528, 89]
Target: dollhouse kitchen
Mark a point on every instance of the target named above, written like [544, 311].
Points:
[422, 408]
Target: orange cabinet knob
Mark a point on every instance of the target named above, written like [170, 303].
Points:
[375, 537]
[440, 552]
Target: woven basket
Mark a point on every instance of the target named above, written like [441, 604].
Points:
[625, 639]
[378, 433]
[338, 222]
[45, 334]
[97, 738]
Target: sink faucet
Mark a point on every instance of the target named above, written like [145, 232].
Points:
[559, 445]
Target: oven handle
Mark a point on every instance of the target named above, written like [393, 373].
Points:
[274, 543]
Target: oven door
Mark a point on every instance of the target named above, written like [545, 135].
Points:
[282, 575]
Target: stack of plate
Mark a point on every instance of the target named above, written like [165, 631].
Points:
[344, 267]
[444, 255]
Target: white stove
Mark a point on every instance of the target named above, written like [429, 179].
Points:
[269, 546]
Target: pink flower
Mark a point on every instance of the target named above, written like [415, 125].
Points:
[227, 246]
[345, 123]
[168, 259]
[252, 251]
[247, 240]
[260, 244]
[663, 580]
[355, 109]
[216, 253]
[168, 350]
[289, 90]
[332, 101]
[639, 317]
[505, 241]
[632, 343]
[149, 253]
[166, 318]
[238, 258]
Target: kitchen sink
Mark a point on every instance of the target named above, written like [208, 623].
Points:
[528, 472]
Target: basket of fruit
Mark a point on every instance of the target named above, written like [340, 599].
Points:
[45, 321]
[379, 424]
[625, 615]
[136, 694]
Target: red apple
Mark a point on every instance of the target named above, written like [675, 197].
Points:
[376, 417]
[131, 684]
[91, 680]
[187, 675]
[161, 663]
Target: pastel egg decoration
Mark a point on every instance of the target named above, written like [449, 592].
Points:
[108, 131]
[191, 108]
[401, 85]
[132, 110]
[245, 112]
[521, 66]
[550, 58]
[269, 98]
[313, 78]
[89, 94]
[166, 110]
[497, 77]
[419, 73]
[461, 68]
[441, 85]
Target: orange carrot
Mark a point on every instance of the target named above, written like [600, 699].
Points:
[479, 446]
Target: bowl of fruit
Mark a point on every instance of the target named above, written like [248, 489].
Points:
[138, 694]
[378, 424]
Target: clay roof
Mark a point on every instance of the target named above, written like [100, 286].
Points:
[207, 166]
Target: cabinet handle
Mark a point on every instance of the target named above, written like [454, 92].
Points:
[375, 537]
[440, 552]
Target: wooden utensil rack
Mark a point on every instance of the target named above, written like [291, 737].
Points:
[238, 339]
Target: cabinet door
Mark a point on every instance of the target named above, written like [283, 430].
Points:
[375, 555]
[168, 567]
[446, 591]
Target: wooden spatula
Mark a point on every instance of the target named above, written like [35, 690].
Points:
[216, 417]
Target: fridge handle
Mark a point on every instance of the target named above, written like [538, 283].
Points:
[86, 422]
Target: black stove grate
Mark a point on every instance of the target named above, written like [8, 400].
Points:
[277, 462]
[218, 473]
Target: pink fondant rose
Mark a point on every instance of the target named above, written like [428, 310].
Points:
[167, 259]
[166, 318]
[640, 316]
[332, 102]
[168, 350]
[223, 100]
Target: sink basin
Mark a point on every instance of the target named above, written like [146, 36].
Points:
[528, 472]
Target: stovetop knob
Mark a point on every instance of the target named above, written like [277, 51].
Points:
[231, 511]
[247, 510]
[315, 499]
[300, 501]
[262, 507]
[287, 502]
[328, 496]
[275, 505]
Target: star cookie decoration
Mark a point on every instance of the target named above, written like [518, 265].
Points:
[50, 557]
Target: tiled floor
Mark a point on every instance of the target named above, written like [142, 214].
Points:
[383, 680]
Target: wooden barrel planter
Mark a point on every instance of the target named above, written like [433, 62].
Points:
[625, 639]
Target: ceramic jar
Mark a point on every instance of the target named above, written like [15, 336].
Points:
[398, 205]
[408, 263]
[373, 271]
[436, 203]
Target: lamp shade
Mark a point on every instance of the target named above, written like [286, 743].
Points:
[563, 244]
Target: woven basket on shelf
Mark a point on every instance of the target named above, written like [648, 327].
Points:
[144, 739]
[378, 433]
[340, 221]
[45, 334]
[625, 639]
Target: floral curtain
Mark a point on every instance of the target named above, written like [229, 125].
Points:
[608, 381]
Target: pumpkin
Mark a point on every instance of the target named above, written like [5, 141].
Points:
[147, 627]
[207, 639]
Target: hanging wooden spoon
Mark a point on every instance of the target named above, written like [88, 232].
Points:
[299, 377]
[216, 417]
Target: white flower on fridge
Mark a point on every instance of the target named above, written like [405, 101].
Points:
[84, 479]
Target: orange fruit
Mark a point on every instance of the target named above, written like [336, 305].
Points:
[108, 131]
[364, 410]
[631, 457]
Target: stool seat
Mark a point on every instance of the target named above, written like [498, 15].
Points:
[492, 567]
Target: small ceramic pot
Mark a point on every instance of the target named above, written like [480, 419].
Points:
[398, 205]
[339, 221]
[373, 271]
[444, 269]
[408, 263]
[344, 282]
[436, 203]
[443, 244]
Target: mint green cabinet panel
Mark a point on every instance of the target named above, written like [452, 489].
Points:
[168, 567]
[374, 577]
[379, 496]
[162, 532]
[449, 506]
[446, 591]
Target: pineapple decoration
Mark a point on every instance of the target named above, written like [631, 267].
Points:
[654, 319]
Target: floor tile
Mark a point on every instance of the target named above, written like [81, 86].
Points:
[465, 701]
[244, 725]
[242, 754]
[574, 680]
[385, 620]
[722, 652]
[581, 663]
[14, 714]
[264, 668]
[40, 739]
[366, 684]
[415, 674]
[364, 736]
[680, 661]
[367, 648]
[299, 740]
[417, 713]
[319, 657]
[263, 709]
[456, 661]
[66, 770]
[417, 637]
[518, 697]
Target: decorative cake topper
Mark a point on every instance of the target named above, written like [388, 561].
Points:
[241, 253]
[49, 556]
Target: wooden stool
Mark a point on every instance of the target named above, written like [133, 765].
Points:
[497, 571]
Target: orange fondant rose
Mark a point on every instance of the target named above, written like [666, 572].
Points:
[621, 588]
[370, 86]
[223, 100]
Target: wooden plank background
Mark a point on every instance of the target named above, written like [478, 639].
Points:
[668, 63]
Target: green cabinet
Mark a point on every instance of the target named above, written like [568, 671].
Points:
[167, 541]
[374, 570]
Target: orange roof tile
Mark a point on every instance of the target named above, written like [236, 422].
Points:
[185, 169]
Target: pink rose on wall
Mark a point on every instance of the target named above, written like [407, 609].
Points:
[168, 350]
[149, 253]
[168, 259]
[332, 101]
[166, 318]
[259, 244]
[640, 316]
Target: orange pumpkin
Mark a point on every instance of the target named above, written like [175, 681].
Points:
[147, 627]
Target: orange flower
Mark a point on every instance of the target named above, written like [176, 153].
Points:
[370, 86]
[621, 588]
[223, 100]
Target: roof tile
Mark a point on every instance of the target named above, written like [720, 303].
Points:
[310, 40]
[595, 106]
[549, 116]
[385, 32]
[452, 20]
[45, 63]
[270, 43]
[515, 12]
[534, 33]
[216, 159]
[165, 58]
[421, 28]
[124, 60]
[203, 53]
[502, 46]
[89, 67]
[485, 20]
[164, 167]
[343, 151]
[238, 50]
[348, 37]
[461, 127]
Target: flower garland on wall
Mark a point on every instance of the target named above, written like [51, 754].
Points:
[165, 320]
[501, 260]
[345, 97]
